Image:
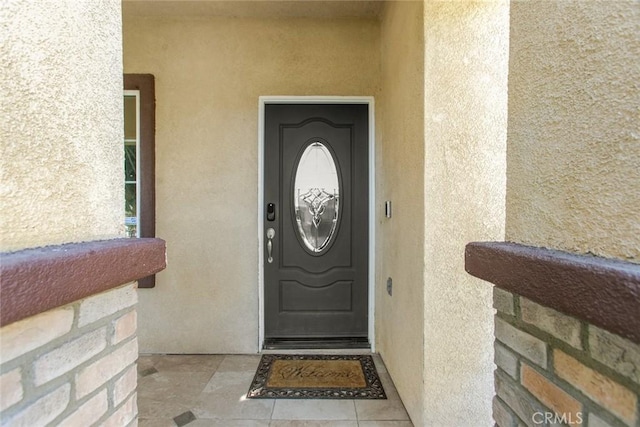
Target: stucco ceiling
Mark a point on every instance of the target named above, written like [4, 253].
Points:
[254, 8]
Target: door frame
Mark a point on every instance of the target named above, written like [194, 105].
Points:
[368, 100]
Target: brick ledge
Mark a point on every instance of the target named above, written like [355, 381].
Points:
[39, 279]
[601, 291]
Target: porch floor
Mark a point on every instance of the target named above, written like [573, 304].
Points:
[210, 390]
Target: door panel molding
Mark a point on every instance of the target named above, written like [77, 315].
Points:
[368, 100]
[344, 287]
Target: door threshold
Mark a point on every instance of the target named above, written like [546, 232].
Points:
[317, 352]
[316, 344]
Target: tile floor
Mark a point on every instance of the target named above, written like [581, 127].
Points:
[209, 391]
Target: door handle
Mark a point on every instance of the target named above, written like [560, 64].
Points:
[271, 233]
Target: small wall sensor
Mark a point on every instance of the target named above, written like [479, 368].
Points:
[387, 208]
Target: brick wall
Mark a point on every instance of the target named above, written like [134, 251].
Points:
[553, 369]
[72, 366]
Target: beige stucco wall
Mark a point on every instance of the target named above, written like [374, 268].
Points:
[60, 122]
[209, 74]
[574, 139]
[400, 179]
[466, 62]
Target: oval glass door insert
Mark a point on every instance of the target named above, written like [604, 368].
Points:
[316, 197]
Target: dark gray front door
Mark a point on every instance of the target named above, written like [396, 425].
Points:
[316, 222]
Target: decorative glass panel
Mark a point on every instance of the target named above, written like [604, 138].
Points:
[316, 197]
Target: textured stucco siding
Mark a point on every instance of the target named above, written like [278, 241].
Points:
[400, 179]
[466, 62]
[441, 161]
[60, 122]
[210, 72]
[574, 133]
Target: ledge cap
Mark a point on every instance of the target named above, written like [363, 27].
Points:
[39, 279]
[601, 291]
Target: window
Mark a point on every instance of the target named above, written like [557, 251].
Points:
[139, 155]
[316, 197]
[131, 156]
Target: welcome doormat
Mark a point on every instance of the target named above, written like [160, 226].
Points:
[286, 376]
